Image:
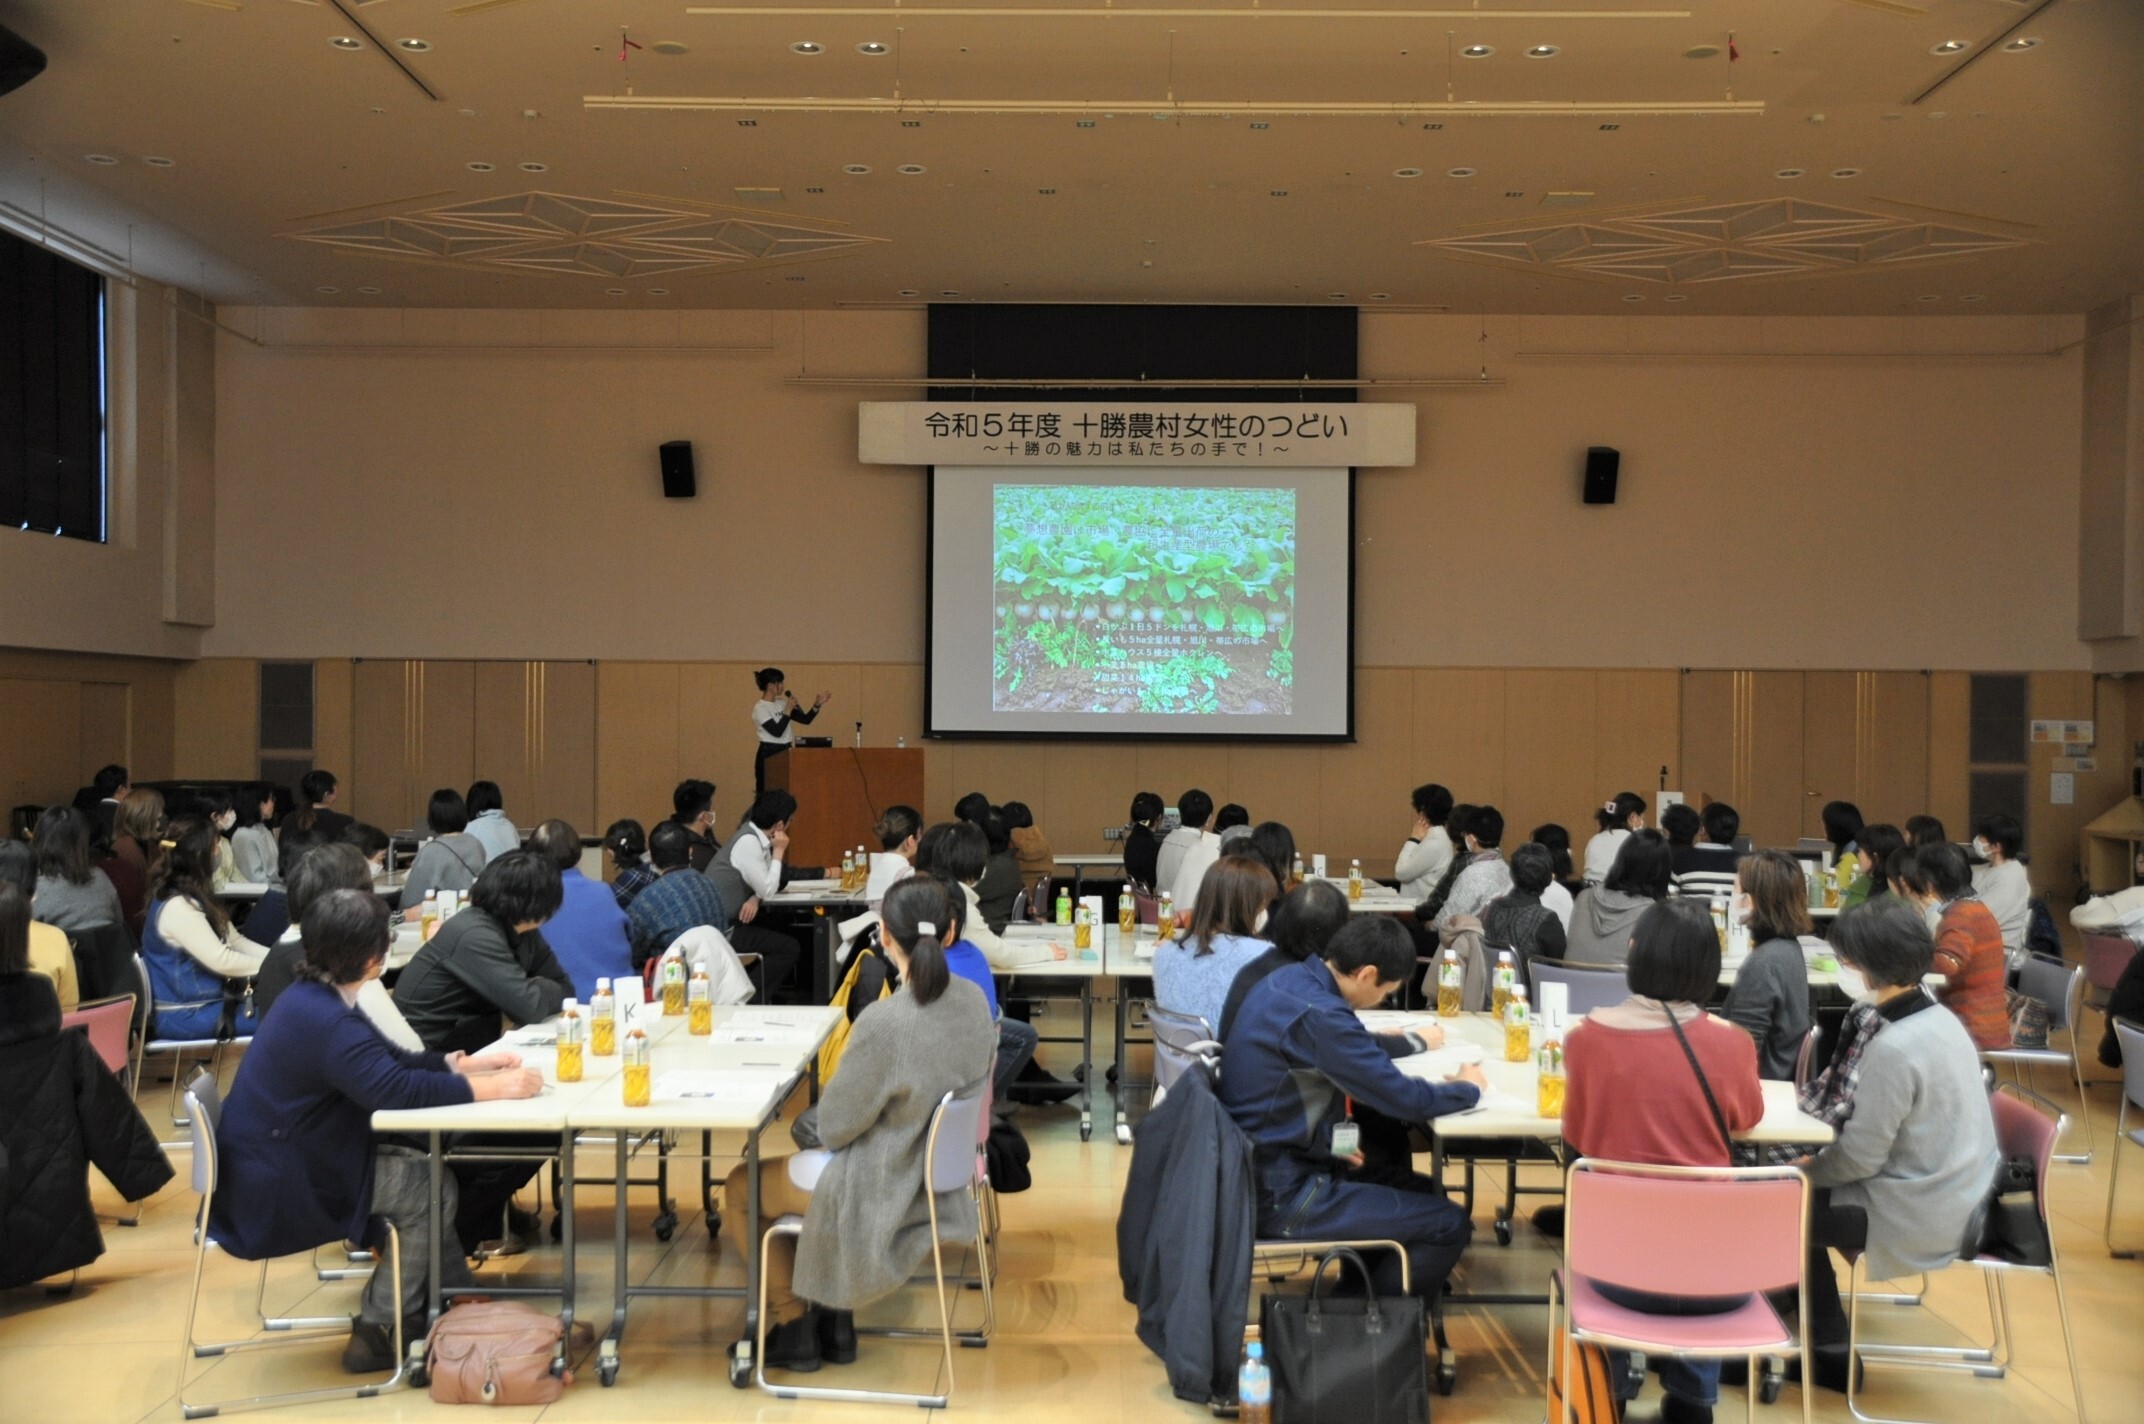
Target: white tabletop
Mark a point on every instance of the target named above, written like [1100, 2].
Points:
[254, 889]
[1091, 862]
[1129, 959]
[813, 892]
[408, 939]
[1045, 942]
[1509, 1107]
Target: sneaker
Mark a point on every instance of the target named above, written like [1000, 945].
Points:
[1548, 1220]
[795, 1345]
[1675, 1410]
[371, 1349]
[837, 1336]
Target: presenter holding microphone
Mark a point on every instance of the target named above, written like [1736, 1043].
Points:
[775, 716]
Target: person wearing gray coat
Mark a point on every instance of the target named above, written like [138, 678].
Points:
[867, 1214]
[1605, 915]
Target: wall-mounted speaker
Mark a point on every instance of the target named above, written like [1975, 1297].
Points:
[1602, 463]
[679, 481]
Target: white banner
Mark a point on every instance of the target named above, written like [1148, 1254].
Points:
[1119, 433]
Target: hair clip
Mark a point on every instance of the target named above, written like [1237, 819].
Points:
[168, 845]
[1609, 806]
[925, 927]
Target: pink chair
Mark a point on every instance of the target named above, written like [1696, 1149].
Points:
[2106, 956]
[2131, 1038]
[1687, 1231]
[2021, 1131]
[110, 1026]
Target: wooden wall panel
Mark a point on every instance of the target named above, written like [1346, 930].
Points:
[1893, 781]
[1706, 708]
[41, 745]
[890, 701]
[1950, 716]
[1637, 730]
[446, 741]
[375, 787]
[638, 707]
[502, 734]
[1831, 723]
[1085, 787]
[1364, 799]
[566, 748]
[1287, 784]
[105, 733]
[715, 740]
[1459, 733]
[1169, 769]
[332, 713]
[1549, 724]
[2051, 831]
[1772, 710]
[216, 716]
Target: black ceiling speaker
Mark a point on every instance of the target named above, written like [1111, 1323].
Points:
[678, 479]
[20, 61]
[1602, 462]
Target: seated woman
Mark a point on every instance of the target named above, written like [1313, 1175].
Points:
[313, 877]
[370, 841]
[1428, 849]
[895, 859]
[1638, 1080]
[215, 807]
[72, 894]
[271, 916]
[1518, 920]
[252, 843]
[1142, 848]
[451, 860]
[49, 954]
[1969, 943]
[627, 842]
[1770, 996]
[1618, 820]
[999, 885]
[866, 1219]
[197, 960]
[1912, 1164]
[137, 845]
[1871, 853]
[1636, 880]
[65, 1113]
[954, 851]
[300, 1164]
[1194, 971]
[1562, 893]
[1308, 918]
[1030, 847]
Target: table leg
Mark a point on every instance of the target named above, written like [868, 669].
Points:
[751, 1235]
[619, 1245]
[1086, 1058]
[565, 1231]
[438, 1164]
[1124, 1077]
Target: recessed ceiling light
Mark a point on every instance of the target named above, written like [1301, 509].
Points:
[859, 169]
[1544, 52]
[908, 292]
[911, 169]
[1478, 51]
[159, 162]
[1929, 297]
[948, 292]
[658, 291]
[2019, 46]
[1702, 52]
[347, 42]
[535, 167]
[1406, 172]
[1380, 296]
[1939, 114]
[1633, 296]
[368, 291]
[328, 291]
[807, 47]
[1973, 297]
[1846, 173]
[671, 47]
[414, 46]
[1676, 297]
[1790, 173]
[1459, 173]
[614, 291]
[1336, 296]
[480, 167]
[873, 48]
[1951, 47]
[102, 160]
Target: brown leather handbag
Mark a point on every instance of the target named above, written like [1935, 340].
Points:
[496, 1352]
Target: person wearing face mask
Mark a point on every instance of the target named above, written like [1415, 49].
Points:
[1617, 819]
[1193, 972]
[215, 808]
[1770, 997]
[1969, 944]
[252, 842]
[1871, 855]
[2001, 883]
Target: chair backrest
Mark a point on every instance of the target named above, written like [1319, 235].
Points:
[2105, 957]
[204, 1109]
[1180, 1040]
[2022, 1130]
[2131, 1038]
[1589, 989]
[108, 1022]
[1686, 1231]
[2055, 984]
[956, 1126]
[1805, 1058]
[1149, 907]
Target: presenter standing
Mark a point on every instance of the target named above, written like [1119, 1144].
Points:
[775, 716]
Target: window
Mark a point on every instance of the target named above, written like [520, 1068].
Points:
[286, 722]
[51, 393]
[1998, 739]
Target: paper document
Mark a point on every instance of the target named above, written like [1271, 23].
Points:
[1440, 1063]
[1501, 1104]
[735, 1084]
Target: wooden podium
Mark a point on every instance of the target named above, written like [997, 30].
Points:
[841, 792]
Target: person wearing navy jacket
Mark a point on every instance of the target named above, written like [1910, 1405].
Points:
[1297, 1057]
[299, 1163]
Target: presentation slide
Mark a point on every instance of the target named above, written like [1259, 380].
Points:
[1140, 602]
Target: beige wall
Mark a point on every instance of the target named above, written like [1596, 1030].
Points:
[483, 485]
[63, 715]
[115, 597]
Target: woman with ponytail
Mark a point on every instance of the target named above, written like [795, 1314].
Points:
[196, 959]
[866, 1216]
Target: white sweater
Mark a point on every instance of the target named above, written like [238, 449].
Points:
[1422, 863]
[1600, 853]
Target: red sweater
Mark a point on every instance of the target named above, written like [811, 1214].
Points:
[1969, 953]
[1631, 1097]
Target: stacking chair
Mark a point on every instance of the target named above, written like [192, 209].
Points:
[2131, 1037]
[2061, 988]
[2105, 957]
[2021, 1131]
[1805, 1058]
[1180, 1041]
[951, 1164]
[110, 1026]
[178, 1048]
[1703, 1231]
[204, 1109]
[1589, 988]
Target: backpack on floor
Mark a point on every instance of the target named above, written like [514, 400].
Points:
[1005, 1155]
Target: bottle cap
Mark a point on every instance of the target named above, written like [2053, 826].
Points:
[1257, 1350]
[569, 1006]
[601, 985]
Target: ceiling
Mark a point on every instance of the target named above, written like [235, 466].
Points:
[1327, 154]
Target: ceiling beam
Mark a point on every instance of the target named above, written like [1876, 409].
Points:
[1103, 12]
[1204, 109]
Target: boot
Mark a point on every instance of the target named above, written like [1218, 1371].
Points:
[371, 1350]
[795, 1345]
[1674, 1410]
[837, 1336]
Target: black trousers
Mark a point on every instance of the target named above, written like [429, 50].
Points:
[487, 1186]
[759, 763]
[778, 956]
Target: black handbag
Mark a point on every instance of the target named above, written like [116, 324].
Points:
[1350, 1359]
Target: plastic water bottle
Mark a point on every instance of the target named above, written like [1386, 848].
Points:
[1254, 1387]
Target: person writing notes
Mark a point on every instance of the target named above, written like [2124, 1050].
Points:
[775, 716]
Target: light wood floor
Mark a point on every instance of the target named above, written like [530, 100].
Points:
[1064, 1349]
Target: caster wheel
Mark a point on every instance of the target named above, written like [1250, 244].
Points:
[714, 1226]
[665, 1226]
[1503, 1231]
[607, 1373]
[1086, 1132]
[741, 1365]
[1768, 1388]
[558, 1227]
[1124, 1134]
[1447, 1378]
